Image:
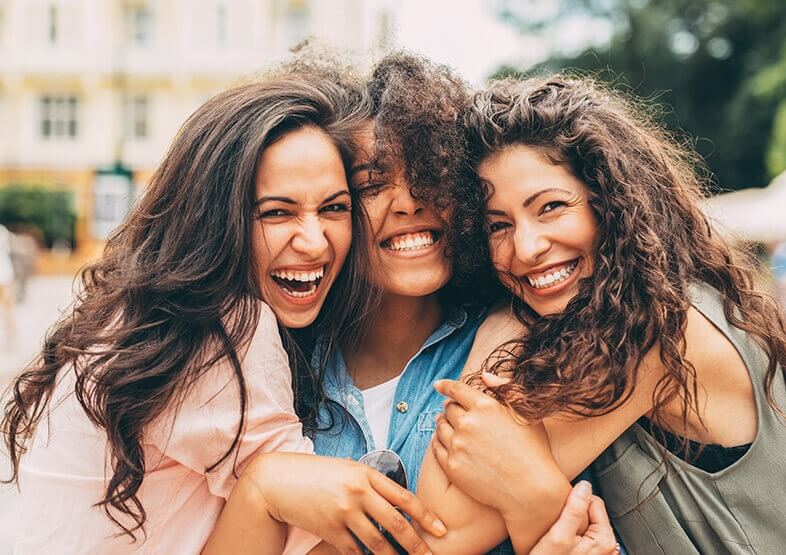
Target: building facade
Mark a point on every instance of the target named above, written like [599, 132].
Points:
[92, 91]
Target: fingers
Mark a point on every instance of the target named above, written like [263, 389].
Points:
[597, 513]
[400, 497]
[492, 380]
[444, 431]
[369, 535]
[573, 514]
[397, 525]
[461, 393]
[453, 413]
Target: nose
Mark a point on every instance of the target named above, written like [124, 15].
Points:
[310, 238]
[404, 204]
[530, 244]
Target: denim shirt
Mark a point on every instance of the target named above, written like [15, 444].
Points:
[415, 403]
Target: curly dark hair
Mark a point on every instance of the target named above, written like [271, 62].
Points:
[653, 244]
[418, 109]
[160, 308]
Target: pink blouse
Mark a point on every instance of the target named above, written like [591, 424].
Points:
[64, 473]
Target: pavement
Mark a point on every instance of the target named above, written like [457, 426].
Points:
[47, 297]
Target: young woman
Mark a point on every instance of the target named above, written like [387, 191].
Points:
[639, 335]
[379, 387]
[168, 377]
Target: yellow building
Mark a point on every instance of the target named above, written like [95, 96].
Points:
[88, 87]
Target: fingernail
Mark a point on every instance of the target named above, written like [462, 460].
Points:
[584, 489]
[439, 527]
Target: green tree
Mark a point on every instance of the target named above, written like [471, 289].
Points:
[50, 211]
[719, 66]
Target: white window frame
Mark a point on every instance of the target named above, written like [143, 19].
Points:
[59, 117]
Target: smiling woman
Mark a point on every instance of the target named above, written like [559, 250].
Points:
[305, 226]
[155, 394]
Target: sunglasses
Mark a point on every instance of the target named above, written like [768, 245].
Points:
[390, 464]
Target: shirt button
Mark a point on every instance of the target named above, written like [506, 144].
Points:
[402, 406]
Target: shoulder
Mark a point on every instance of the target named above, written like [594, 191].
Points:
[499, 326]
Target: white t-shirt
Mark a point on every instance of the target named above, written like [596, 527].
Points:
[378, 402]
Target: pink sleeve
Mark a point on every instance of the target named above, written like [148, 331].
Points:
[207, 420]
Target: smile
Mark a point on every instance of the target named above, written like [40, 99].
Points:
[299, 284]
[408, 242]
[554, 276]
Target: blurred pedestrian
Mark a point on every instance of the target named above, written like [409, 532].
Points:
[6, 286]
[23, 254]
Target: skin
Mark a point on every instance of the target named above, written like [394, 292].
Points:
[464, 448]
[304, 220]
[540, 221]
[311, 228]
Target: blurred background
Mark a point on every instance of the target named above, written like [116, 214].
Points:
[92, 92]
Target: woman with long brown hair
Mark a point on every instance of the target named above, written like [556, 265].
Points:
[625, 325]
[167, 378]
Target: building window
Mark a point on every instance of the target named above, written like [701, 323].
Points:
[137, 117]
[59, 117]
[52, 21]
[139, 23]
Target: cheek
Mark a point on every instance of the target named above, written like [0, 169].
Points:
[501, 253]
[267, 243]
[339, 236]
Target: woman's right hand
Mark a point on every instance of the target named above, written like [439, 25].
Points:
[565, 536]
[335, 498]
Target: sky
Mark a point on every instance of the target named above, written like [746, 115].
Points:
[468, 35]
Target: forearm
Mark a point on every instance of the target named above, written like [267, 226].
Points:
[246, 525]
[526, 527]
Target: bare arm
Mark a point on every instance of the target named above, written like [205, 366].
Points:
[332, 498]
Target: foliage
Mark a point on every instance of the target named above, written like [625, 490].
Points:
[50, 211]
[718, 65]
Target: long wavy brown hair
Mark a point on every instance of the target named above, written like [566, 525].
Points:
[653, 244]
[176, 288]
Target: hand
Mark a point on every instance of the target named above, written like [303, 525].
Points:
[565, 538]
[491, 456]
[333, 497]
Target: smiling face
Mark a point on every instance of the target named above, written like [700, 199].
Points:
[542, 228]
[407, 236]
[304, 227]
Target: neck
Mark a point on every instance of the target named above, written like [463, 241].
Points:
[396, 331]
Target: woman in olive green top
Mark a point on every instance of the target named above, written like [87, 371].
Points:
[633, 332]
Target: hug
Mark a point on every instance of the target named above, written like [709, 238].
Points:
[508, 289]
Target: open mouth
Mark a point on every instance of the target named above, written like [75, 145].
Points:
[554, 276]
[408, 242]
[298, 284]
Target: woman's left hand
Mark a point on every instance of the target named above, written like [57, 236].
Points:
[494, 458]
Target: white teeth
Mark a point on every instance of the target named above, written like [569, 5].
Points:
[556, 276]
[299, 276]
[411, 241]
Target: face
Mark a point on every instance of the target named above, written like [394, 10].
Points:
[407, 237]
[542, 229]
[304, 226]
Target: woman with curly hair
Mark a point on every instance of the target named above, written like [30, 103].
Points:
[626, 327]
[379, 393]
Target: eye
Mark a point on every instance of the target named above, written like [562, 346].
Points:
[552, 206]
[495, 227]
[274, 213]
[337, 207]
[370, 189]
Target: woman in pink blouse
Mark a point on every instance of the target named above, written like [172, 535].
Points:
[168, 375]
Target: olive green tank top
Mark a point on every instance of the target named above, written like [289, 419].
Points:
[673, 507]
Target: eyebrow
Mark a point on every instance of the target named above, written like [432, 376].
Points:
[369, 166]
[532, 198]
[287, 200]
